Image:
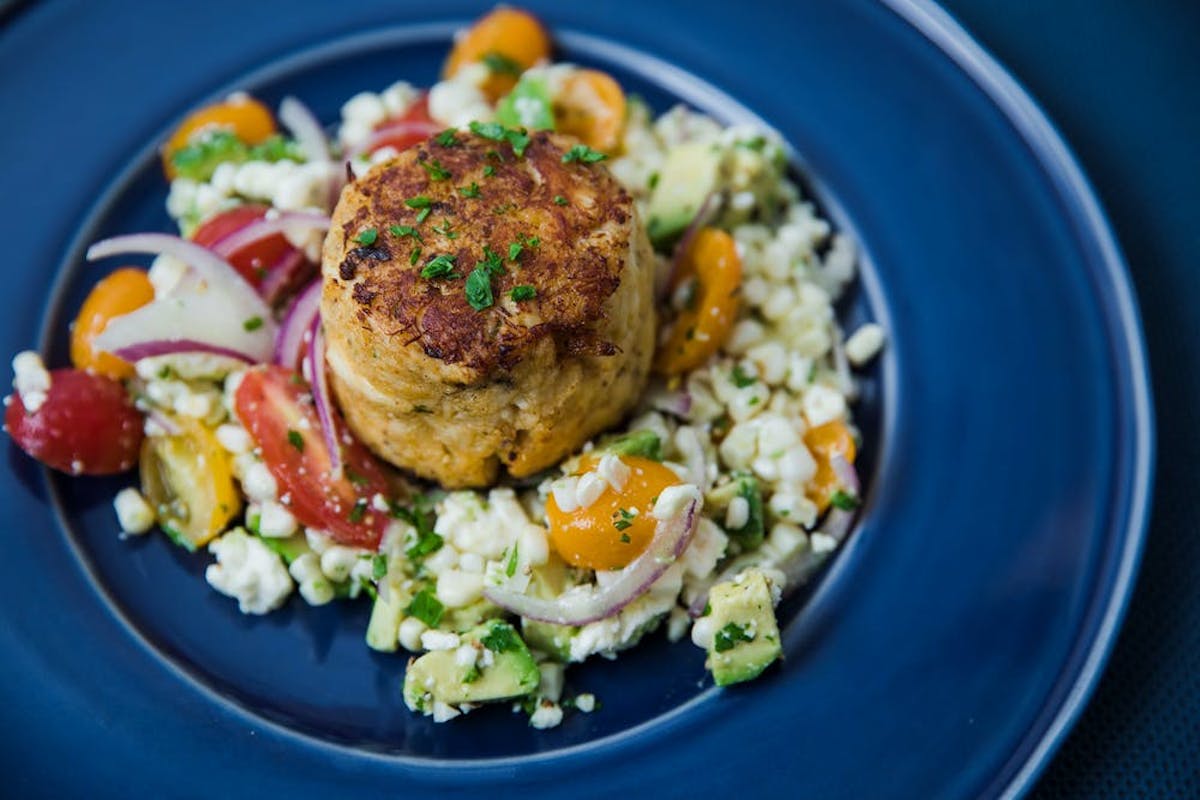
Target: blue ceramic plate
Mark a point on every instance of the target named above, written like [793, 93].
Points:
[943, 654]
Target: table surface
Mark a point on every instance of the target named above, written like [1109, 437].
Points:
[1120, 81]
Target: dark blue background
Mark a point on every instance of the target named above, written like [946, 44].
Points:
[1121, 80]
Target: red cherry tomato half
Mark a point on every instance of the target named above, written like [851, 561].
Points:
[411, 128]
[87, 426]
[275, 405]
[255, 260]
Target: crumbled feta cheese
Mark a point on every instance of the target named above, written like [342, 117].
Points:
[458, 102]
[337, 561]
[471, 562]
[864, 344]
[165, 273]
[234, 438]
[133, 512]
[457, 589]
[822, 405]
[585, 702]
[443, 712]
[398, 97]
[702, 632]
[440, 640]
[674, 499]
[822, 543]
[465, 656]
[550, 685]
[258, 483]
[589, 489]
[380, 503]
[275, 521]
[409, 636]
[706, 549]
[31, 379]
[565, 494]
[248, 571]
[547, 715]
[614, 471]
[738, 513]
[315, 588]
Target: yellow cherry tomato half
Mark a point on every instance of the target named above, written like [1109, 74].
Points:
[591, 107]
[509, 35]
[823, 442]
[712, 266]
[616, 528]
[125, 290]
[245, 117]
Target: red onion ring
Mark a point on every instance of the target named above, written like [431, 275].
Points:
[322, 400]
[284, 275]
[677, 403]
[170, 347]
[418, 128]
[671, 538]
[302, 221]
[305, 128]
[296, 323]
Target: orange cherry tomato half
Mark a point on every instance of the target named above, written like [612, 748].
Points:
[591, 107]
[616, 528]
[699, 330]
[123, 291]
[247, 118]
[510, 33]
[823, 442]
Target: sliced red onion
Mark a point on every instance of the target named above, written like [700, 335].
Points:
[322, 400]
[581, 606]
[677, 403]
[303, 124]
[297, 322]
[420, 128]
[283, 276]
[199, 320]
[704, 215]
[285, 222]
[221, 277]
[168, 425]
[846, 474]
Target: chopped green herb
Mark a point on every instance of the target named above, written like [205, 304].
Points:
[623, 518]
[500, 639]
[522, 293]
[295, 440]
[354, 477]
[379, 566]
[469, 191]
[424, 540]
[533, 241]
[420, 201]
[367, 237]
[423, 214]
[435, 169]
[500, 64]
[756, 144]
[514, 251]
[479, 288]
[518, 139]
[728, 637]
[441, 266]
[559, 200]
[741, 379]
[625, 538]
[359, 511]
[414, 256]
[510, 565]
[253, 324]
[472, 674]
[422, 409]
[201, 158]
[652, 181]
[491, 261]
[446, 138]
[406, 230]
[426, 607]
[843, 500]
[446, 230]
[583, 154]
[488, 170]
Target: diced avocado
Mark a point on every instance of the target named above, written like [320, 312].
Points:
[440, 675]
[691, 172]
[745, 634]
[643, 443]
[387, 613]
[547, 581]
[289, 548]
[469, 616]
[744, 485]
[528, 105]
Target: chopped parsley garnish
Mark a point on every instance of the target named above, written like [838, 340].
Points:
[843, 500]
[488, 170]
[756, 144]
[201, 158]
[420, 201]
[423, 214]
[479, 288]
[354, 477]
[622, 519]
[406, 230]
[583, 154]
[446, 138]
[500, 64]
[446, 230]
[472, 674]
[514, 251]
[441, 266]
[253, 324]
[625, 538]
[510, 565]
[729, 636]
[295, 440]
[491, 261]
[500, 639]
[414, 256]
[559, 200]
[435, 169]
[367, 237]
[532, 241]
[426, 607]
[741, 379]
[424, 540]
[496, 132]
[652, 181]
[359, 511]
[523, 292]
[469, 191]
[379, 566]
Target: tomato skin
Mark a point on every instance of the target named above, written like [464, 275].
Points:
[823, 442]
[87, 426]
[125, 290]
[252, 261]
[713, 262]
[273, 403]
[510, 32]
[249, 120]
[591, 107]
[410, 128]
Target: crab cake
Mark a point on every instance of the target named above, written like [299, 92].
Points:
[486, 308]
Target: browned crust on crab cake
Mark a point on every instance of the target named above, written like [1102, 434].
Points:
[452, 393]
